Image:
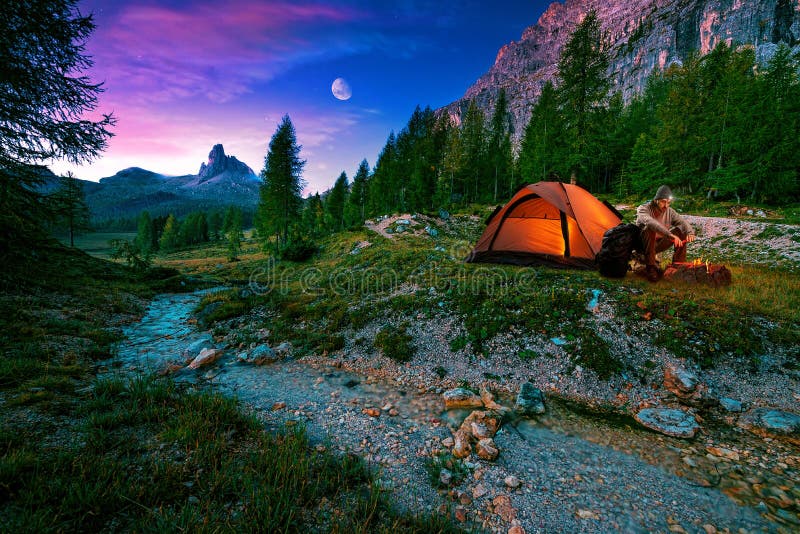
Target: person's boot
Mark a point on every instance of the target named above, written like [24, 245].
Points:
[652, 273]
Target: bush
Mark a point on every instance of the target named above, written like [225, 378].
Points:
[298, 249]
[395, 343]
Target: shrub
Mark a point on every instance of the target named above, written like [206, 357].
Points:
[298, 249]
[395, 343]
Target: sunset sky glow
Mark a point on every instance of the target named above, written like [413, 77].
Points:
[181, 76]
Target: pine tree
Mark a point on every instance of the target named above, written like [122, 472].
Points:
[232, 230]
[646, 167]
[280, 194]
[543, 147]
[382, 196]
[145, 234]
[314, 216]
[679, 137]
[354, 213]
[499, 146]
[170, 238]
[45, 101]
[69, 207]
[450, 189]
[215, 219]
[473, 137]
[335, 202]
[583, 89]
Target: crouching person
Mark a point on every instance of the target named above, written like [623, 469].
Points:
[662, 227]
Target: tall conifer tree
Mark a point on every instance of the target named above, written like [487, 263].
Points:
[335, 202]
[357, 200]
[583, 88]
[280, 194]
[44, 100]
[69, 206]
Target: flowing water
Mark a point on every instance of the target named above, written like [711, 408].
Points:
[598, 450]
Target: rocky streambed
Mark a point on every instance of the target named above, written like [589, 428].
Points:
[571, 468]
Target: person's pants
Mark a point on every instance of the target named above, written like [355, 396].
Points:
[655, 243]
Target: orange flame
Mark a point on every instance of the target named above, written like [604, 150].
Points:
[699, 261]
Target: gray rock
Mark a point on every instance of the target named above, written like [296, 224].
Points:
[530, 400]
[260, 355]
[730, 405]
[675, 423]
[772, 423]
[684, 384]
[445, 477]
[194, 348]
[284, 350]
[433, 232]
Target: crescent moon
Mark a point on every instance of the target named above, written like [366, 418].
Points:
[341, 89]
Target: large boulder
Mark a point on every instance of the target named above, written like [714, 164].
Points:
[675, 423]
[769, 422]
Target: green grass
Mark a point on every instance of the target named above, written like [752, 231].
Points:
[314, 304]
[153, 457]
[97, 243]
[144, 454]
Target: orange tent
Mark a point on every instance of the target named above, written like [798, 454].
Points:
[546, 222]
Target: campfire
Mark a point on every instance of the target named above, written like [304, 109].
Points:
[700, 271]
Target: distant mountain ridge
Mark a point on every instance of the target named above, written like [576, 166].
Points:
[220, 182]
[644, 35]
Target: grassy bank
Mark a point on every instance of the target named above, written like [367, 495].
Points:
[391, 281]
[143, 454]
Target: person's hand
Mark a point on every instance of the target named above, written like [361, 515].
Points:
[690, 238]
[677, 241]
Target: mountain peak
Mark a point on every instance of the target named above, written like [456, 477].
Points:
[219, 163]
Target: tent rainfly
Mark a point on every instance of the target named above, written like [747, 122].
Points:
[546, 223]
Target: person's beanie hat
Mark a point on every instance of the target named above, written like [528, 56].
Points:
[663, 192]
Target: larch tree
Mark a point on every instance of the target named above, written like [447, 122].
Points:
[145, 241]
[69, 207]
[280, 194]
[543, 140]
[500, 159]
[335, 202]
[474, 146]
[170, 238]
[44, 101]
[357, 200]
[583, 87]
[232, 230]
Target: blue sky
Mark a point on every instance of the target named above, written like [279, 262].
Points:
[182, 76]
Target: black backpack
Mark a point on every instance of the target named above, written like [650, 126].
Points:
[615, 252]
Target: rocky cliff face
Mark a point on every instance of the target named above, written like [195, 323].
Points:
[644, 35]
[219, 163]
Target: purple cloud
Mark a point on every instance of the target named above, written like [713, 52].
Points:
[161, 53]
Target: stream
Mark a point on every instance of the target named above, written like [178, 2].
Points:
[563, 471]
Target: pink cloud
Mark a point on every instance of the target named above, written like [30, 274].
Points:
[161, 54]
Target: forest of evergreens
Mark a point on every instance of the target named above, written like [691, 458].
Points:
[721, 125]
